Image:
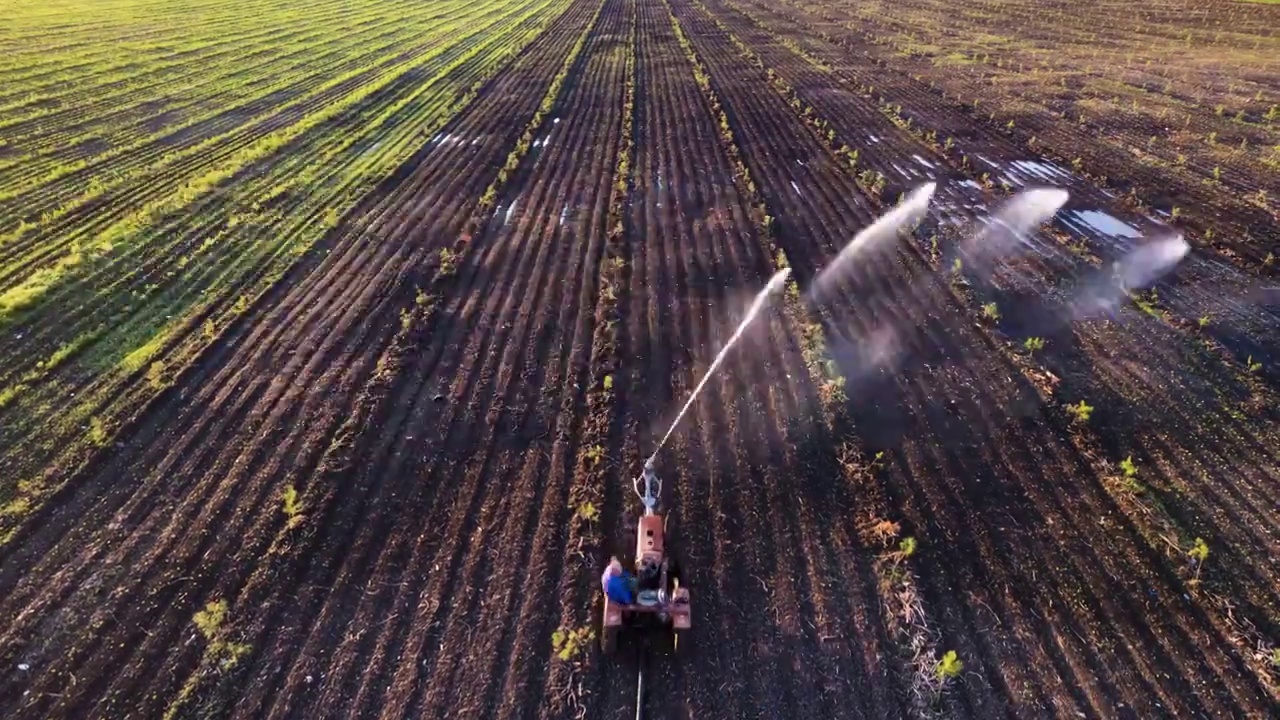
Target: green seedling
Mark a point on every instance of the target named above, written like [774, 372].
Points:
[990, 311]
[587, 511]
[1033, 344]
[594, 454]
[97, 432]
[950, 666]
[292, 507]
[1080, 412]
[568, 644]
[1128, 468]
[448, 262]
[907, 547]
[1198, 553]
[211, 623]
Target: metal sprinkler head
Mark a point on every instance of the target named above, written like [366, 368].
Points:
[652, 487]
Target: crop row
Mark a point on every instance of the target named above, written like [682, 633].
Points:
[1194, 301]
[739, 83]
[204, 265]
[322, 317]
[1195, 163]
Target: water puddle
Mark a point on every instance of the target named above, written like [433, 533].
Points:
[795, 187]
[510, 211]
[1040, 170]
[924, 162]
[873, 138]
[563, 212]
[1103, 223]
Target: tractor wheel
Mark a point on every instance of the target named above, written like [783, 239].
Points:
[609, 640]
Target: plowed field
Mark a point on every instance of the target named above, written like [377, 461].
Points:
[332, 334]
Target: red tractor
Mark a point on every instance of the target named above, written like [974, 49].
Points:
[661, 602]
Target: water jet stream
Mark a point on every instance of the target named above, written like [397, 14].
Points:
[1006, 233]
[1138, 269]
[906, 214]
[775, 282]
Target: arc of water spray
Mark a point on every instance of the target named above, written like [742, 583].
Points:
[1143, 266]
[775, 282]
[906, 214]
[1008, 228]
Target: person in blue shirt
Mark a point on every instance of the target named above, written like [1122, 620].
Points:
[618, 584]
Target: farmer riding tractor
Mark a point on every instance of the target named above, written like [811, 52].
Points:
[652, 601]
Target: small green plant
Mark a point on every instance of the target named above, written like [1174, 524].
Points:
[1254, 367]
[1033, 344]
[587, 511]
[211, 623]
[1275, 654]
[209, 331]
[608, 383]
[209, 620]
[1198, 553]
[594, 454]
[97, 432]
[950, 666]
[1127, 468]
[1080, 412]
[448, 262]
[1203, 321]
[421, 298]
[568, 644]
[155, 375]
[331, 218]
[990, 311]
[907, 547]
[406, 319]
[292, 507]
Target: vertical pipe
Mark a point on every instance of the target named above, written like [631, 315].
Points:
[644, 658]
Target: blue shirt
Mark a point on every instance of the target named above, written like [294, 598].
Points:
[618, 588]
